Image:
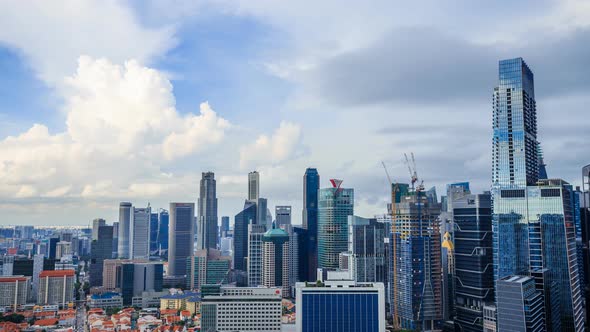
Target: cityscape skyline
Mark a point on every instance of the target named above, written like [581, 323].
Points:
[279, 132]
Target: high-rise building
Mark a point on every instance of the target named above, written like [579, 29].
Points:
[300, 254]
[207, 218]
[208, 266]
[294, 256]
[40, 263]
[115, 239]
[228, 309]
[519, 305]
[311, 186]
[139, 235]
[367, 249]
[53, 247]
[585, 230]
[96, 223]
[14, 290]
[343, 306]
[124, 230]
[254, 259]
[56, 287]
[276, 260]
[241, 221]
[224, 226]
[163, 221]
[63, 248]
[180, 237]
[135, 277]
[283, 215]
[533, 219]
[253, 186]
[416, 282]
[474, 280]
[334, 206]
[154, 229]
[101, 249]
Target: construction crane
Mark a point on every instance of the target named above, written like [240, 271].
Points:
[413, 173]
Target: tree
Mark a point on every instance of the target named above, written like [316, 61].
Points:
[13, 318]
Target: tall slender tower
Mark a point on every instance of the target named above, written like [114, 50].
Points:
[124, 230]
[253, 186]
[180, 237]
[311, 185]
[207, 219]
[533, 221]
[139, 235]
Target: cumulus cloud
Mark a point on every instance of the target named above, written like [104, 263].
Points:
[121, 128]
[53, 34]
[281, 146]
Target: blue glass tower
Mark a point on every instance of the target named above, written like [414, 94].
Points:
[241, 221]
[163, 219]
[311, 185]
[335, 205]
[154, 228]
[533, 221]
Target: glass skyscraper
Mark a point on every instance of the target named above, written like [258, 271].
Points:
[180, 237]
[241, 221]
[334, 206]
[207, 218]
[311, 185]
[533, 221]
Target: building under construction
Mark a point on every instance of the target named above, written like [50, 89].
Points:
[415, 264]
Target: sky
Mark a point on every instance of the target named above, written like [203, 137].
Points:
[109, 101]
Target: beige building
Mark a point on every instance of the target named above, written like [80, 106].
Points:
[56, 287]
[14, 291]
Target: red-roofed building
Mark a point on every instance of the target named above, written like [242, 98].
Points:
[14, 290]
[56, 287]
[46, 322]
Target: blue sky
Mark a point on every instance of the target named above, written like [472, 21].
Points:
[134, 107]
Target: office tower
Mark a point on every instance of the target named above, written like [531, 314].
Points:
[163, 222]
[135, 277]
[56, 287]
[474, 280]
[311, 186]
[283, 215]
[519, 305]
[53, 246]
[115, 238]
[180, 237]
[585, 230]
[241, 221]
[228, 309]
[14, 290]
[208, 266]
[367, 249]
[533, 219]
[416, 259]
[276, 260]
[139, 235]
[294, 259]
[447, 255]
[102, 248]
[262, 213]
[224, 226]
[490, 318]
[334, 206]
[207, 218]
[254, 259]
[62, 249]
[154, 229]
[66, 237]
[96, 223]
[343, 306]
[124, 230]
[253, 186]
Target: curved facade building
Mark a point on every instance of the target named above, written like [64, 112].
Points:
[334, 206]
[276, 260]
[124, 226]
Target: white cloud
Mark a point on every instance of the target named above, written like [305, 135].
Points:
[53, 34]
[120, 123]
[281, 146]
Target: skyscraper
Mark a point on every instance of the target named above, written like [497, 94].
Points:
[224, 226]
[276, 260]
[163, 221]
[520, 305]
[311, 186]
[95, 224]
[254, 259]
[154, 229]
[180, 237]
[283, 215]
[334, 206]
[416, 294]
[124, 229]
[474, 280]
[253, 186]
[367, 249]
[208, 266]
[139, 235]
[101, 249]
[207, 218]
[533, 220]
[241, 221]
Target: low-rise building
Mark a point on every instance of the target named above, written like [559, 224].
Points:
[105, 300]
